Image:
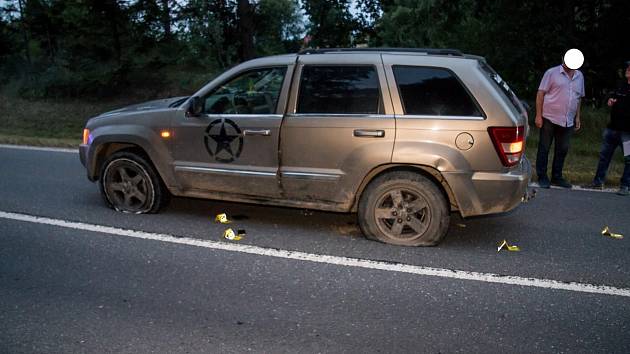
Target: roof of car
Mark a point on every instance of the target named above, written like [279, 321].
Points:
[421, 51]
[451, 53]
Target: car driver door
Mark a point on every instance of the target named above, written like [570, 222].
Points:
[232, 147]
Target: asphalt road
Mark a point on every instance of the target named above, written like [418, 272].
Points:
[66, 289]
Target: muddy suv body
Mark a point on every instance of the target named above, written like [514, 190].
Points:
[403, 137]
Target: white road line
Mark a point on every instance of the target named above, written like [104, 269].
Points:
[578, 188]
[317, 258]
[37, 148]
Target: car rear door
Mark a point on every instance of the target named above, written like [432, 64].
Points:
[339, 126]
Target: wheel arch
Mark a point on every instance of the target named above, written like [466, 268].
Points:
[427, 171]
[103, 151]
[111, 139]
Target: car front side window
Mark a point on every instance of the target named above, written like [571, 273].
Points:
[252, 92]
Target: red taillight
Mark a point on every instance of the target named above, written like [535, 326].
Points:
[509, 143]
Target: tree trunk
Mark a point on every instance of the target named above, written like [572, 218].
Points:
[245, 13]
[27, 50]
[165, 18]
[113, 13]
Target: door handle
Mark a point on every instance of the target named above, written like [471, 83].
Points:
[369, 133]
[261, 132]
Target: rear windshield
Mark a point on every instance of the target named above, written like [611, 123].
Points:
[503, 86]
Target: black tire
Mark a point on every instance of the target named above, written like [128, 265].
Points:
[129, 184]
[404, 208]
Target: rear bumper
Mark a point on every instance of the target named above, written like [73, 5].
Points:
[481, 193]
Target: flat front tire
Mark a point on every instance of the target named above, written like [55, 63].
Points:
[129, 184]
[404, 208]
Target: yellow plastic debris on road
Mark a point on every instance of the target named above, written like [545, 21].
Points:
[230, 235]
[222, 218]
[606, 232]
[505, 244]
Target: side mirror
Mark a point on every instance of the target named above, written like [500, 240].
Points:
[195, 107]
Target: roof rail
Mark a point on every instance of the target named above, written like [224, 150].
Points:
[432, 51]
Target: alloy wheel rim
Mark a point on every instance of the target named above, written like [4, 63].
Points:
[402, 214]
[128, 187]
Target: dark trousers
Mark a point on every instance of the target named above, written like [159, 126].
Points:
[548, 133]
[612, 139]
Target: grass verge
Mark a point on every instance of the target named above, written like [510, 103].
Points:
[48, 121]
[583, 156]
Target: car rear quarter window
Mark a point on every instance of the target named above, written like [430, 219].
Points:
[433, 91]
[339, 90]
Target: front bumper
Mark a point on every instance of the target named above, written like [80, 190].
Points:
[481, 193]
[83, 151]
[84, 156]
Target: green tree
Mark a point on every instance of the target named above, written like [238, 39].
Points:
[331, 23]
[520, 39]
[211, 32]
[278, 26]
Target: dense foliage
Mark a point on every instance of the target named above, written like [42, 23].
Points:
[78, 48]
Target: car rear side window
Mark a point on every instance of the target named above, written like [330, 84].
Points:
[433, 91]
[339, 90]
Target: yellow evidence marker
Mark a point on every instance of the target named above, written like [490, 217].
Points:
[606, 232]
[222, 219]
[512, 248]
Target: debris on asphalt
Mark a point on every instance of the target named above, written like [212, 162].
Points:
[505, 244]
[230, 235]
[240, 217]
[529, 196]
[222, 219]
[349, 229]
[606, 232]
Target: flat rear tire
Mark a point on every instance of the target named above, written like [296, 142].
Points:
[404, 208]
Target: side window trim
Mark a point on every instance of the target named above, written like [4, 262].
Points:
[337, 115]
[436, 116]
[299, 73]
[444, 117]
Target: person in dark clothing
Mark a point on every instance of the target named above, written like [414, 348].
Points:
[616, 134]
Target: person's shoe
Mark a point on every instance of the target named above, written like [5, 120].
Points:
[543, 182]
[623, 190]
[561, 182]
[594, 186]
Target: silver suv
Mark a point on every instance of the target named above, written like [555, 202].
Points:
[402, 137]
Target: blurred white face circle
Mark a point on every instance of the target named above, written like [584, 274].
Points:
[573, 59]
